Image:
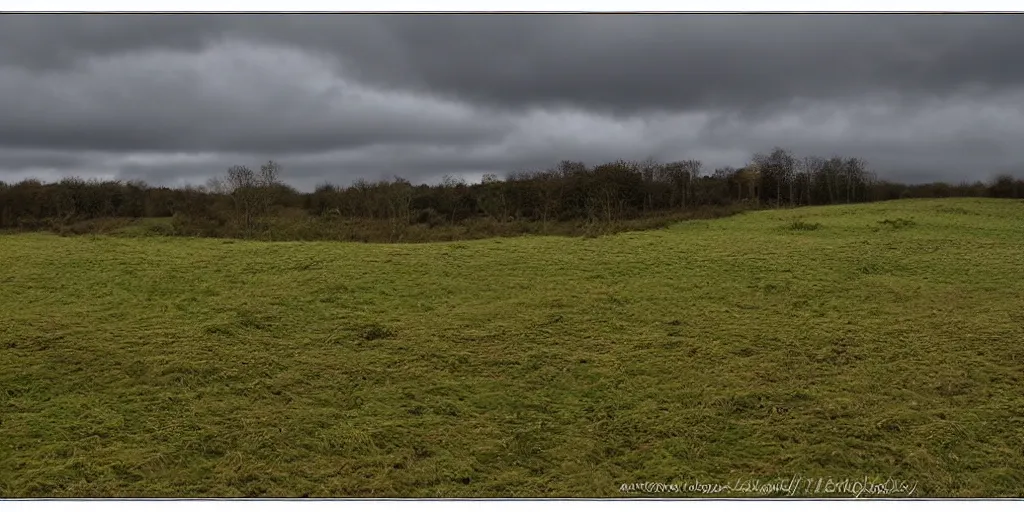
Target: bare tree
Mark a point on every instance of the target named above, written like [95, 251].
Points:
[812, 166]
[776, 170]
[252, 194]
[450, 193]
[217, 185]
[268, 186]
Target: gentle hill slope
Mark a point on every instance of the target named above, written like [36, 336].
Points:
[875, 340]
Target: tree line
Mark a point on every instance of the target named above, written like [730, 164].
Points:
[244, 201]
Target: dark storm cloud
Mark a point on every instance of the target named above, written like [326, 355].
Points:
[178, 97]
[600, 61]
[21, 159]
[230, 97]
[701, 61]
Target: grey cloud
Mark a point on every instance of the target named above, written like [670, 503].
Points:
[228, 97]
[18, 159]
[180, 97]
[597, 61]
[656, 62]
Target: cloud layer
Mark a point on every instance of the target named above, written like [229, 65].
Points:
[176, 99]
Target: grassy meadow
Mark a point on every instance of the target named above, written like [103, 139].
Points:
[865, 341]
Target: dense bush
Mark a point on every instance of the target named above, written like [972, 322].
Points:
[570, 198]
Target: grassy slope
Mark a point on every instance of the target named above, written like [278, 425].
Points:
[712, 350]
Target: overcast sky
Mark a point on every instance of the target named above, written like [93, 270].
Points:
[178, 98]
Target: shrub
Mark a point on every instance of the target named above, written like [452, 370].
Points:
[377, 332]
[799, 225]
[897, 223]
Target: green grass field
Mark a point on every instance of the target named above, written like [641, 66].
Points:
[864, 341]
